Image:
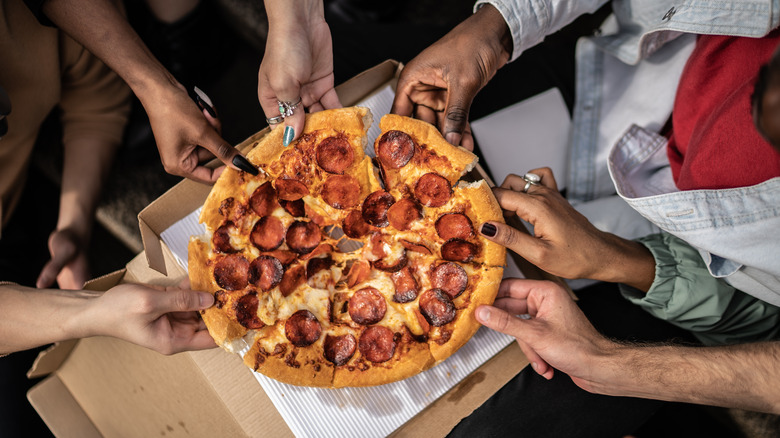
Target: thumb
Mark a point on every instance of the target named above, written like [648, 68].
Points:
[509, 237]
[182, 300]
[62, 251]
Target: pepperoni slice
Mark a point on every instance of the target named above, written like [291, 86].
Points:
[289, 189]
[377, 344]
[296, 208]
[334, 154]
[263, 200]
[323, 248]
[433, 190]
[302, 328]
[267, 234]
[292, 278]
[416, 247]
[265, 272]
[403, 213]
[392, 266]
[394, 149]
[405, 285]
[375, 208]
[221, 238]
[246, 312]
[358, 272]
[303, 237]
[367, 306]
[313, 216]
[454, 226]
[341, 191]
[232, 272]
[316, 265]
[339, 349]
[458, 250]
[451, 278]
[437, 307]
[354, 226]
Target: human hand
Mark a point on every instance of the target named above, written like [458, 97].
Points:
[162, 319]
[187, 136]
[439, 85]
[557, 334]
[297, 64]
[68, 263]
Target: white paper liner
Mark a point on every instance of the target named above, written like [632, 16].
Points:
[358, 412]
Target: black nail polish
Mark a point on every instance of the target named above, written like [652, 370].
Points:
[202, 103]
[244, 164]
[488, 230]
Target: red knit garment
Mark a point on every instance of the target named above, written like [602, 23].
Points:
[714, 144]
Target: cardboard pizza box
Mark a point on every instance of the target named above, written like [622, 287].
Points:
[105, 387]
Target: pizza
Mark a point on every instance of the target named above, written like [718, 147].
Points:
[342, 270]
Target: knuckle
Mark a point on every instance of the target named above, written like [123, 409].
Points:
[223, 150]
[182, 300]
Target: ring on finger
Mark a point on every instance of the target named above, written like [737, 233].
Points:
[531, 179]
[275, 120]
[287, 108]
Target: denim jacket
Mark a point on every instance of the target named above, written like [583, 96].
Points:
[734, 230]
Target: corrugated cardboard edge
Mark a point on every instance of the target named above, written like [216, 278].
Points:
[60, 411]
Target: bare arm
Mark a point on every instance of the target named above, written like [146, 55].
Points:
[183, 132]
[163, 320]
[559, 336]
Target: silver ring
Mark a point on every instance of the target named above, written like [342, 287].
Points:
[274, 120]
[286, 109]
[531, 179]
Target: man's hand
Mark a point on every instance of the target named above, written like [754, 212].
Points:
[68, 264]
[439, 85]
[557, 334]
[297, 63]
[165, 320]
[564, 242]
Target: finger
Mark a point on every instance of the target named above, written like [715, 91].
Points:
[467, 140]
[537, 362]
[523, 244]
[456, 116]
[215, 122]
[521, 203]
[514, 306]
[402, 103]
[513, 182]
[293, 124]
[225, 153]
[548, 180]
[500, 321]
[200, 340]
[48, 274]
[425, 114]
[182, 300]
[330, 100]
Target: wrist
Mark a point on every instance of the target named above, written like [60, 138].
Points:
[297, 13]
[627, 262]
[491, 19]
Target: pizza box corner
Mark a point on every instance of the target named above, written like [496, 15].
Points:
[105, 387]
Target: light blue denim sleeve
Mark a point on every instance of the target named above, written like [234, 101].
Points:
[686, 295]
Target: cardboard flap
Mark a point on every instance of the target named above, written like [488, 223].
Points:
[174, 204]
[105, 282]
[60, 411]
[51, 358]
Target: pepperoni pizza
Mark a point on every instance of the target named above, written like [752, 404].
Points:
[340, 270]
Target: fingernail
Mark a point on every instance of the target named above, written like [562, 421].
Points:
[483, 314]
[244, 164]
[488, 230]
[535, 366]
[451, 138]
[206, 300]
[289, 133]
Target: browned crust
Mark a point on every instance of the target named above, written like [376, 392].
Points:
[410, 358]
[465, 324]
[425, 133]
[220, 326]
[292, 365]
[484, 207]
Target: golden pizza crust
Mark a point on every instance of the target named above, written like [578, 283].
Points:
[292, 365]
[465, 324]
[485, 208]
[221, 327]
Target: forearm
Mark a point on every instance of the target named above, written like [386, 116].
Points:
[298, 13]
[100, 27]
[740, 376]
[87, 164]
[626, 261]
[33, 317]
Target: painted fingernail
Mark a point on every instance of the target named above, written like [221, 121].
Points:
[488, 230]
[289, 133]
[244, 164]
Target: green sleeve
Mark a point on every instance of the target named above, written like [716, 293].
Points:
[685, 294]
